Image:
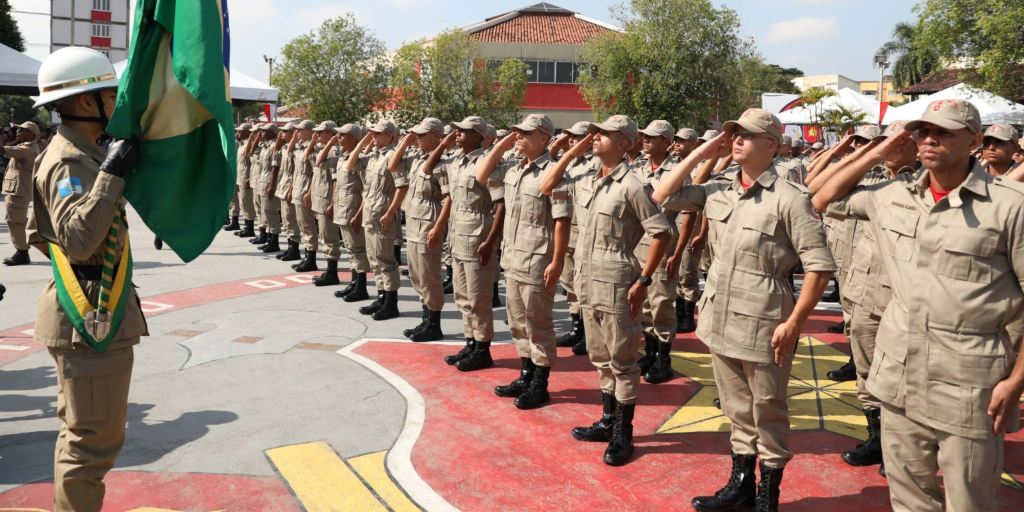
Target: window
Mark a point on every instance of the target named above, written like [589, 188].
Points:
[565, 72]
[100, 30]
[531, 74]
[547, 72]
[868, 93]
[101, 5]
[106, 53]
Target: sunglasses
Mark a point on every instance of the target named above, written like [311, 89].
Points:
[746, 135]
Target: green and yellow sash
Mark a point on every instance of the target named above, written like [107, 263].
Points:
[73, 300]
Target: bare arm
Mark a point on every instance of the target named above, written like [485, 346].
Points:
[438, 153]
[554, 270]
[399, 154]
[434, 235]
[353, 159]
[843, 182]
[786, 334]
[674, 179]
[325, 152]
[491, 161]
[815, 184]
[637, 293]
[486, 248]
[556, 173]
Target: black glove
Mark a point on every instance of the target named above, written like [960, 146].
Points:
[122, 156]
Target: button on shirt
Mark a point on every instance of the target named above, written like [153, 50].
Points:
[956, 269]
[756, 236]
[472, 210]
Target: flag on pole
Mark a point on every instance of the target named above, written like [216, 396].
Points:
[175, 96]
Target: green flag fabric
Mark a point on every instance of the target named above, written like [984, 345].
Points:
[175, 96]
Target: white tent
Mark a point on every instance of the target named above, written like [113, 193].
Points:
[993, 109]
[244, 88]
[18, 72]
[847, 98]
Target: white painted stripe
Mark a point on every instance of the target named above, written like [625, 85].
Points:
[400, 456]
[153, 307]
[265, 284]
[14, 348]
[301, 278]
[29, 332]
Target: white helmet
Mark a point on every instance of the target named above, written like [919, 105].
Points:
[72, 71]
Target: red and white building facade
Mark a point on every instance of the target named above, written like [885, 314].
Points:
[98, 24]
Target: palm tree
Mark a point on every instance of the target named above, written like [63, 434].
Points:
[811, 98]
[840, 120]
[915, 60]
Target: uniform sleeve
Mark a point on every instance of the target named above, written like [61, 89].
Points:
[650, 216]
[1015, 245]
[276, 158]
[808, 235]
[561, 201]
[361, 162]
[401, 177]
[858, 204]
[496, 182]
[19, 152]
[441, 173]
[689, 198]
[80, 220]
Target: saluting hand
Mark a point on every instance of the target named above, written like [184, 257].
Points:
[367, 139]
[580, 148]
[449, 140]
[713, 147]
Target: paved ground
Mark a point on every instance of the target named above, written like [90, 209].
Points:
[257, 391]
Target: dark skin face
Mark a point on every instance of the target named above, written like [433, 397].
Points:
[24, 135]
[682, 148]
[997, 151]
[940, 148]
[655, 146]
[468, 140]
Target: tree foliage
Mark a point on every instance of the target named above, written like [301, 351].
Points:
[985, 33]
[812, 100]
[448, 78]
[840, 120]
[678, 60]
[10, 34]
[914, 58]
[336, 70]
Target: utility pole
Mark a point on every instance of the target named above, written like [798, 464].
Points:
[270, 66]
[882, 64]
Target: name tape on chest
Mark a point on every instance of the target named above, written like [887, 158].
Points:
[68, 186]
[904, 206]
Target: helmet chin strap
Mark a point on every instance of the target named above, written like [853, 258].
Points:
[102, 119]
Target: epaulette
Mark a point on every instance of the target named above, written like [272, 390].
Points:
[1015, 186]
[70, 152]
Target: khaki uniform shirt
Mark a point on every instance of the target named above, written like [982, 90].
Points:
[957, 268]
[644, 170]
[379, 184]
[286, 174]
[256, 168]
[18, 177]
[302, 173]
[425, 198]
[323, 180]
[348, 192]
[615, 212]
[472, 211]
[266, 159]
[73, 206]
[530, 220]
[586, 164]
[756, 237]
[242, 179]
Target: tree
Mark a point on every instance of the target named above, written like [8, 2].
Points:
[677, 60]
[10, 34]
[986, 33]
[337, 71]
[914, 59]
[840, 120]
[753, 78]
[447, 78]
[811, 99]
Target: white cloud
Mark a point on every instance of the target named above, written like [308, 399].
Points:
[810, 28]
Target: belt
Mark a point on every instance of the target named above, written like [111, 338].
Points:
[90, 272]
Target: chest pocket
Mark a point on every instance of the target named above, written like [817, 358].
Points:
[901, 229]
[967, 255]
[609, 220]
[717, 214]
[534, 203]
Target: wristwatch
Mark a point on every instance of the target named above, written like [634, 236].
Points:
[644, 280]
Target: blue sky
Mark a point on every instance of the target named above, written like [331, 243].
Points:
[817, 36]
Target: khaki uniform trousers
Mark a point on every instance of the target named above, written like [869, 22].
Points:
[529, 308]
[257, 202]
[473, 285]
[291, 220]
[447, 251]
[330, 235]
[689, 281]
[307, 228]
[233, 207]
[246, 203]
[272, 214]
[17, 219]
[568, 280]
[92, 404]
[863, 327]
[425, 274]
[914, 453]
[659, 310]
[355, 244]
[613, 341]
[753, 397]
[380, 247]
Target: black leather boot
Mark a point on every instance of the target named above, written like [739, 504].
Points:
[650, 353]
[495, 299]
[834, 295]
[454, 358]
[398, 255]
[768, 489]
[537, 394]
[679, 312]
[341, 294]
[602, 429]
[390, 308]
[247, 230]
[273, 245]
[261, 238]
[308, 264]
[620, 449]
[286, 251]
[839, 328]
[574, 335]
[738, 494]
[158, 243]
[661, 370]
[580, 348]
[359, 292]
[478, 359]
[228, 221]
[516, 387]
[292, 254]
[233, 225]
[425, 319]
[20, 257]
[372, 307]
[449, 287]
[869, 452]
[687, 324]
[329, 277]
[432, 331]
[847, 372]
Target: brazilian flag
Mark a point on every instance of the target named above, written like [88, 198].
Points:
[175, 97]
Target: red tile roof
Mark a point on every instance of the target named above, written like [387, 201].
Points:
[542, 29]
[946, 78]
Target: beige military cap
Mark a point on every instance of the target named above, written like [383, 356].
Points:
[385, 126]
[710, 134]
[578, 129]
[325, 126]
[536, 122]
[621, 124]
[867, 132]
[687, 134]
[756, 120]
[502, 133]
[270, 127]
[1002, 132]
[30, 126]
[288, 127]
[354, 129]
[475, 123]
[244, 127]
[492, 131]
[951, 115]
[428, 125]
[817, 145]
[659, 128]
[893, 128]
[305, 124]
[787, 140]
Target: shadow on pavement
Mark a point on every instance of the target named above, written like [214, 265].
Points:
[149, 441]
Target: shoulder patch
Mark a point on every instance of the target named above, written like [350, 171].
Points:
[69, 186]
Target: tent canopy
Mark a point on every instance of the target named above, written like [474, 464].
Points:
[244, 88]
[847, 98]
[993, 109]
[18, 72]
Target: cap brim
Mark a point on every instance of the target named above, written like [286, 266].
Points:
[419, 131]
[524, 128]
[940, 122]
[1000, 137]
[570, 131]
[730, 126]
[651, 133]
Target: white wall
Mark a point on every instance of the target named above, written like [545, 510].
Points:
[119, 11]
[118, 36]
[83, 9]
[61, 30]
[83, 33]
[61, 8]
